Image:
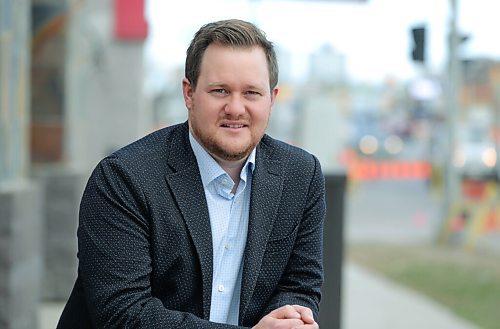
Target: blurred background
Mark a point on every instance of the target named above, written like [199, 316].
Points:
[400, 99]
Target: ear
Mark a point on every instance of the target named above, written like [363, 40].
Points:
[187, 92]
[274, 93]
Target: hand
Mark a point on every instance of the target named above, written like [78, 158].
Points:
[285, 317]
[306, 316]
[288, 317]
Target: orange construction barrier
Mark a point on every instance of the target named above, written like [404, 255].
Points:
[393, 170]
[491, 222]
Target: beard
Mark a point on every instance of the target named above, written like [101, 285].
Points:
[215, 148]
[223, 153]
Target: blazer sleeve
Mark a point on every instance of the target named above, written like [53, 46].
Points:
[303, 277]
[114, 257]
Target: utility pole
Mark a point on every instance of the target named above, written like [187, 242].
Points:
[496, 109]
[452, 185]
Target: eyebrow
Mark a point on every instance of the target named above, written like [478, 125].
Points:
[225, 85]
[217, 84]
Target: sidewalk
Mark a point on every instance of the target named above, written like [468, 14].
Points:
[369, 302]
[48, 314]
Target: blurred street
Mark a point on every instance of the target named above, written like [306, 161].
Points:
[395, 213]
[398, 212]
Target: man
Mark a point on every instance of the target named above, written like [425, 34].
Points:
[210, 223]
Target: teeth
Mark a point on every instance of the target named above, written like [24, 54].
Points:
[234, 126]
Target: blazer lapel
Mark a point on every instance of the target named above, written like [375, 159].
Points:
[267, 185]
[187, 188]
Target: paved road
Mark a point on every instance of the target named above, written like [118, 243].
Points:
[403, 212]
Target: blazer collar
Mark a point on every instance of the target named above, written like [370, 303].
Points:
[187, 188]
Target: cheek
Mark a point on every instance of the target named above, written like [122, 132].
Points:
[205, 117]
[262, 116]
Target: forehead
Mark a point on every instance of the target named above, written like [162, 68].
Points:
[225, 64]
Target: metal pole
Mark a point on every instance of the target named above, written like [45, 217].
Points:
[333, 251]
[496, 126]
[453, 110]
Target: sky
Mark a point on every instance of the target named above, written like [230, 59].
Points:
[373, 35]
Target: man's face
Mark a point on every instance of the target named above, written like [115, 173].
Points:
[229, 110]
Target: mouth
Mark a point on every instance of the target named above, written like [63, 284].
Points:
[232, 126]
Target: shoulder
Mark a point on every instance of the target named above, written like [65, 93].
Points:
[289, 155]
[155, 143]
[149, 155]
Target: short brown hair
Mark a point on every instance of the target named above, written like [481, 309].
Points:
[232, 33]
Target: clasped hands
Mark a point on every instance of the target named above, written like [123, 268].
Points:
[288, 317]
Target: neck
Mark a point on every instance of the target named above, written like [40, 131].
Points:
[233, 169]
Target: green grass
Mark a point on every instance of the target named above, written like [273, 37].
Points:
[467, 284]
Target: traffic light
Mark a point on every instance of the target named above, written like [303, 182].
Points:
[418, 52]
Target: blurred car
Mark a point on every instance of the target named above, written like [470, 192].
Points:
[476, 156]
[373, 138]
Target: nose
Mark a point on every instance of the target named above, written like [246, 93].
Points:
[235, 106]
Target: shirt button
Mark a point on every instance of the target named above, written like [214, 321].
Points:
[220, 288]
[227, 247]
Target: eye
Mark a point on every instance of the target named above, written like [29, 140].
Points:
[220, 91]
[252, 93]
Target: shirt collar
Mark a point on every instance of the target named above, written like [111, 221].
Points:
[209, 168]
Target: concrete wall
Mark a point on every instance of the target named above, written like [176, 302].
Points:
[20, 221]
[105, 102]
[62, 189]
[20, 256]
[14, 88]
[102, 104]
[90, 85]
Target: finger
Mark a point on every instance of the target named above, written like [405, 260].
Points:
[288, 323]
[307, 326]
[305, 313]
[285, 312]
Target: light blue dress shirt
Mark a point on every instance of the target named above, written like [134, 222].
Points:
[229, 223]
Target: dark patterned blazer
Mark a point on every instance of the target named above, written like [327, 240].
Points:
[145, 245]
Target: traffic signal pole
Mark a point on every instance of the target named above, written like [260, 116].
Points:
[452, 186]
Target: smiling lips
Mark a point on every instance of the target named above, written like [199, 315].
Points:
[233, 125]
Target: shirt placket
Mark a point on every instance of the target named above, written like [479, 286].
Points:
[222, 289]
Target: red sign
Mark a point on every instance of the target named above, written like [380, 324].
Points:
[130, 23]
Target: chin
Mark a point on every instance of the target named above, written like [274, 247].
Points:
[234, 154]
